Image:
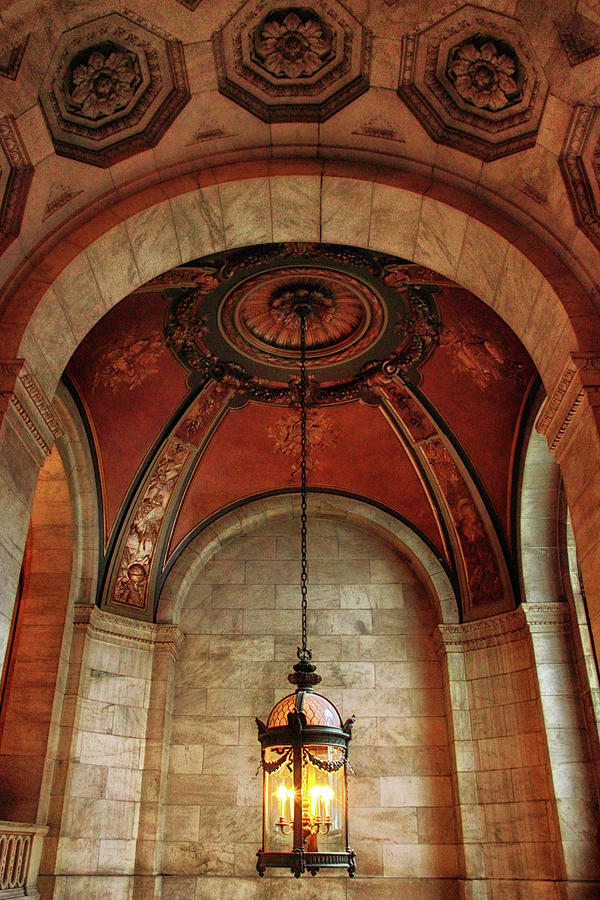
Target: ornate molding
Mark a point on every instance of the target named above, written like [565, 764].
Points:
[114, 87]
[133, 568]
[504, 628]
[41, 403]
[579, 378]
[112, 628]
[543, 617]
[29, 424]
[501, 629]
[578, 162]
[16, 172]
[22, 394]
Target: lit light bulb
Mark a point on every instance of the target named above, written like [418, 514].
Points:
[314, 794]
[282, 796]
[327, 797]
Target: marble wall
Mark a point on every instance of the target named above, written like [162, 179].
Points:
[370, 627]
[472, 766]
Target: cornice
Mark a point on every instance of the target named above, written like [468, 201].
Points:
[505, 627]
[579, 378]
[501, 629]
[117, 629]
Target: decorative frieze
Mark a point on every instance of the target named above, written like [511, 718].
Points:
[23, 395]
[501, 629]
[504, 628]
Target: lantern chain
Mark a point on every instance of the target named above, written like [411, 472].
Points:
[304, 653]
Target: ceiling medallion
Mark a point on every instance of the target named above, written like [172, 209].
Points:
[113, 89]
[234, 316]
[259, 316]
[473, 81]
[294, 63]
[483, 73]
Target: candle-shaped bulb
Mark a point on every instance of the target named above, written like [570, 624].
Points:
[327, 797]
[314, 799]
[282, 795]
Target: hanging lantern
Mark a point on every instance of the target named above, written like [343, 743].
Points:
[304, 744]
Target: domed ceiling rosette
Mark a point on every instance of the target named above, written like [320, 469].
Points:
[112, 90]
[292, 63]
[235, 316]
[473, 81]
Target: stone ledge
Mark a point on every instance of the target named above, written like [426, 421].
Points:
[112, 628]
[580, 377]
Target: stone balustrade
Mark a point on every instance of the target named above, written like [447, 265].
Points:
[20, 852]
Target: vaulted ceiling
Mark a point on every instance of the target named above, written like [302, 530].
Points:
[420, 391]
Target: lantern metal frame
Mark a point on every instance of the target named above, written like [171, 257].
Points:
[298, 736]
[294, 739]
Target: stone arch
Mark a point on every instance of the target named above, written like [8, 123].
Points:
[374, 637]
[539, 524]
[258, 512]
[165, 228]
[54, 306]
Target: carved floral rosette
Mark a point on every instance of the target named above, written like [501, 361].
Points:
[473, 81]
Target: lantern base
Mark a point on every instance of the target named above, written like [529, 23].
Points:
[300, 861]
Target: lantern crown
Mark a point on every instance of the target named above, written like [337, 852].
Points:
[317, 710]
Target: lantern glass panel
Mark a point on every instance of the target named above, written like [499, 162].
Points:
[278, 803]
[324, 801]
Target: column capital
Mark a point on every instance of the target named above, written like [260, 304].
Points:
[500, 629]
[578, 380]
[547, 617]
[115, 629]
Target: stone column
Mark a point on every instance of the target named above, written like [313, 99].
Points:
[570, 421]
[503, 787]
[470, 825]
[568, 744]
[111, 756]
[167, 643]
[28, 429]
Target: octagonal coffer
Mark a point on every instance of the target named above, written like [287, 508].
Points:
[473, 82]
[289, 63]
[112, 90]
